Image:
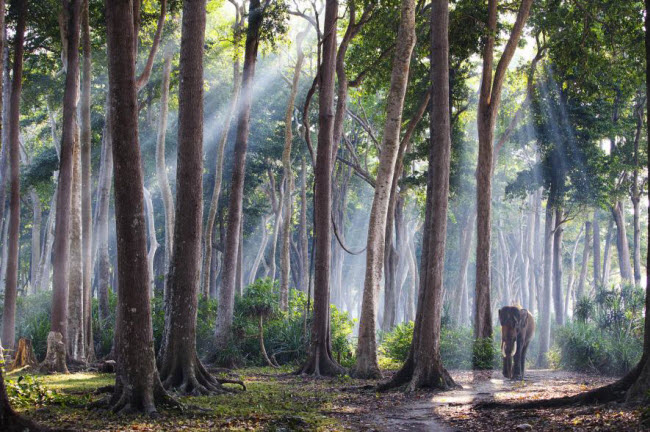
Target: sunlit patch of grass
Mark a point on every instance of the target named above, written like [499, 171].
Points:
[272, 402]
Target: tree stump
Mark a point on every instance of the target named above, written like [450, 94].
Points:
[24, 356]
[55, 359]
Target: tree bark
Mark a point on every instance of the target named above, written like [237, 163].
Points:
[61, 260]
[580, 290]
[488, 107]
[320, 361]
[622, 245]
[571, 283]
[423, 367]
[607, 257]
[231, 252]
[101, 218]
[86, 180]
[304, 239]
[546, 299]
[287, 177]
[11, 282]
[153, 242]
[367, 365]
[161, 165]
[218, 172]
[558, 269]
[636, 199]
[180, 367]
[137, 384]
[596, 251]
[75, 339]
[37, 217]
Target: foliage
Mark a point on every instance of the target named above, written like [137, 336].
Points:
[104, 328]
[29, 391]
[484, 353]
[33, 320]
[607, 334]
[456, 344]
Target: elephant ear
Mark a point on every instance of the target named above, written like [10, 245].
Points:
[523, 317]
[501, 316]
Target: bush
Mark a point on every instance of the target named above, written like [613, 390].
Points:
[33, 320]
[28, 391]
[607, 334]
[456, 347]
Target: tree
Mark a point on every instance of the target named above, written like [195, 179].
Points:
[367, 365]
[488, 107]
[231, 253]
[86, 189]
[221, 145]
[61, 262]
[180, 367]
[9, 314]
[423, 367]
[320, 361]
[137, 383]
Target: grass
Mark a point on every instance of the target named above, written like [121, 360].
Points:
[272, 402]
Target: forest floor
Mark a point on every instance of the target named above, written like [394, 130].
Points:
[277, 401]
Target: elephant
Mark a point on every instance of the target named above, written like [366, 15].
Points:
[517, 330]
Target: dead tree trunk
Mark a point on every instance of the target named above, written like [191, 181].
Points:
[11, 282]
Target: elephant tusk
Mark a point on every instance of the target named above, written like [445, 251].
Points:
[514, 349]
[503, 349]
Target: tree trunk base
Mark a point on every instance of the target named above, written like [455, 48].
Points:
[24, 355]
[55, 361]
[12, 422]
[190, 378]
[126, 400]
[432, 377]
[366, 369]
[320, 363]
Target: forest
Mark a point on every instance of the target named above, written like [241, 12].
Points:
[327, 215]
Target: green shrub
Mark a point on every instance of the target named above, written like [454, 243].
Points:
[28, 391]
[484, 353]
[456, 345]
[104, 329]
[607, 334]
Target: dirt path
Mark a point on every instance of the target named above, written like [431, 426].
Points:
[454, 410]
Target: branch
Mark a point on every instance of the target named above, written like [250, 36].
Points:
[146, 73]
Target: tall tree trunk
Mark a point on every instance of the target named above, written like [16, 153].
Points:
[580, 290]
[218, 174]
[137, 384]
[423, 367]
[558, 271]
[320, 361]
[571, 283]
[304, 240]
[367, 365]
[607, 256]
[622, 246]
[37, 216]
[231, 252]
[180, 367]
[61, 260]
[45, 262]
[287, 178]
[11, 282]
[641, 386]
[75, 337]
[86, 185]
[545, 299]
[636, 198]
[596, 251]
[161, 165]
[153, 242]
[488, 107]
[101, 219]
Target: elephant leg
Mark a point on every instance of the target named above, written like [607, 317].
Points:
[518, 355]
[523, 361]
